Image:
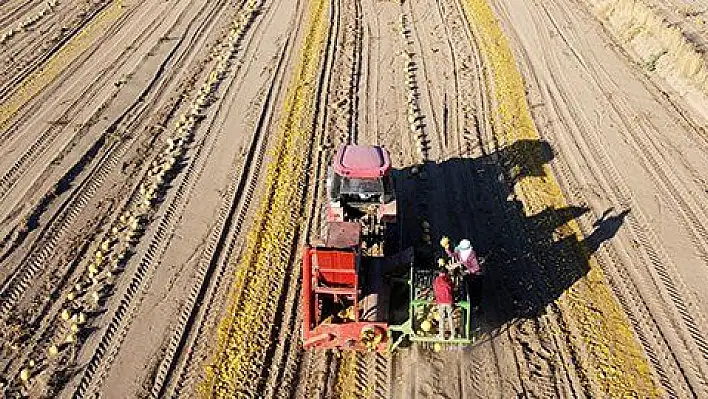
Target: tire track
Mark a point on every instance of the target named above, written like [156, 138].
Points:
[652, 254]
[690, 212]
[321, 366]
[337, 126]
[37, 34]
[638, 305]
[50, 92]
[451, 138]
[537, 350]
[423, 74]
[123, 146]
[240, 207]
[356, 30]
[373, 373]
[241, 195]
[369, 379]
[29, 23]
[286, 355]
[16, 12]
[344, 92]
[107, 349]
[48, 136]
[257, 290]
[306, 368]
[60, 223]
[116, 125]
[640, 311]
[415, 115]
[37, 61]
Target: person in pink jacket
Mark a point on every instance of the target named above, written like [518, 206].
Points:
[465, 255]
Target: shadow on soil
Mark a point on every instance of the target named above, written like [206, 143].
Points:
[530, 260]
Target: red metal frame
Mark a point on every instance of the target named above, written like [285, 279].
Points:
[344, 336]
[333, 272]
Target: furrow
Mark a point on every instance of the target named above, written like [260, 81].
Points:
[99, 364]
[246, 193]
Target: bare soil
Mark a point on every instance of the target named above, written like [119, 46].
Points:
[88, 115]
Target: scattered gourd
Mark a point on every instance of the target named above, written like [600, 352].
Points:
[426, 325]
[25, 374]
[111, 248]
[106, 245]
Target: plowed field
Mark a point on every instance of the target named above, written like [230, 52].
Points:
[162, 164]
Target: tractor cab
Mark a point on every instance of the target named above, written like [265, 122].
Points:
[359, 183]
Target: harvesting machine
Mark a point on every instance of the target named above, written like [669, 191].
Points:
[358, 292]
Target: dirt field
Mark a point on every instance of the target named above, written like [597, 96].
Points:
[163, 162]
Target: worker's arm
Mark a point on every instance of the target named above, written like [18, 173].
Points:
[473, 264]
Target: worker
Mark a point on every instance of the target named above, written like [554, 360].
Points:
[465, 254]
[442, 287]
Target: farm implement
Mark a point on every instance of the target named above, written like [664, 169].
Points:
[359, 293]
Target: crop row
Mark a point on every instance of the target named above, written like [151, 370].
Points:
[611, 354]
[29, 21]
[658, 44]
[34, 83]
[244, 334]
[106, 264]
[415, 115]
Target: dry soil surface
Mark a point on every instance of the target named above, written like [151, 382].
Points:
[143, 146]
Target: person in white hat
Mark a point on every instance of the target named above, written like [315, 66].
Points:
[463, 253]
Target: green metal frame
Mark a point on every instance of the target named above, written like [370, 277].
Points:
[409, 330]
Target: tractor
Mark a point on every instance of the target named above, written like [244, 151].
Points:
[359, 183]
[360, 189]
[358, 292]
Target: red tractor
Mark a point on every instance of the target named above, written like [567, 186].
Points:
[345, 288]
[359, 184]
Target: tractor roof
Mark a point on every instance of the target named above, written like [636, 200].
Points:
[362, 161]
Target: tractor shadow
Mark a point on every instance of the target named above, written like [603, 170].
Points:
[529, 259]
